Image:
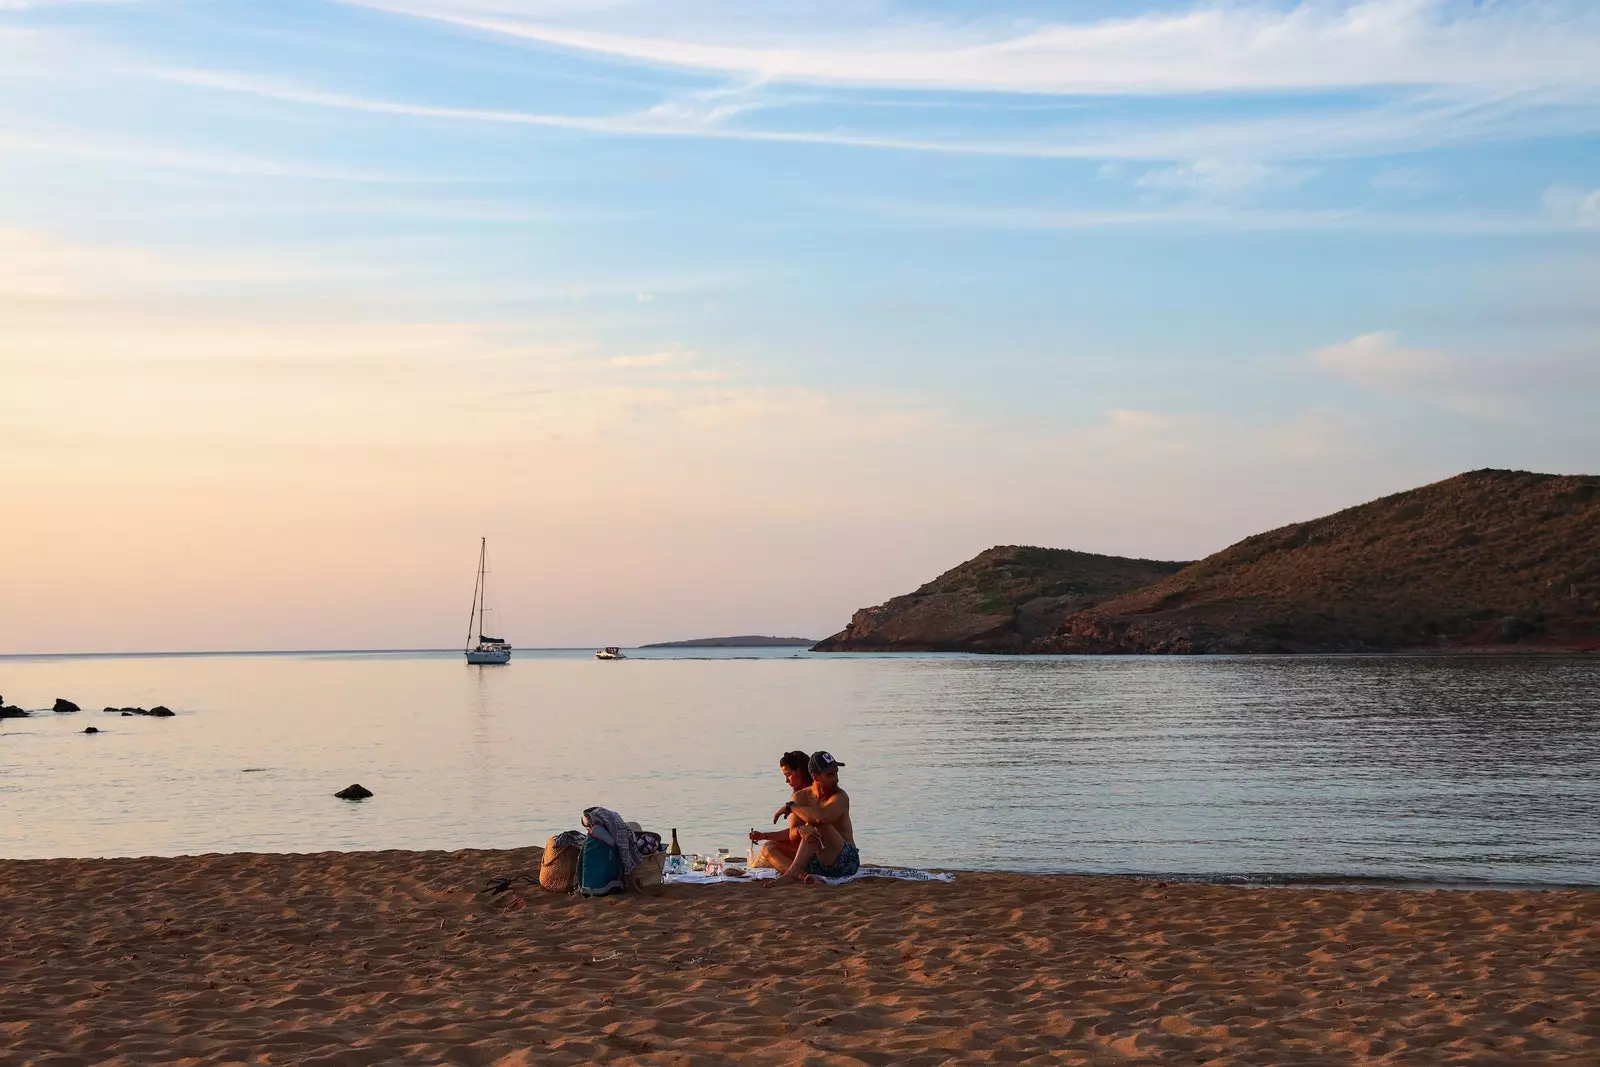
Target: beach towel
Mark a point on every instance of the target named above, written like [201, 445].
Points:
[903, 874]
[608, 826]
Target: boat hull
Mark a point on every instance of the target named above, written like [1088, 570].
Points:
[488, 657]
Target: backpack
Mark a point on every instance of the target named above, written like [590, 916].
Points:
[559, 871]
[599, 868]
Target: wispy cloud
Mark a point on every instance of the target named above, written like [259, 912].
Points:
[1202, 47]
[1207, 215]
[1578, 207]
[112, 149]
[1223, 178]
[1511, 387]
[1427, 122]
[1401, 181]
[649, 359]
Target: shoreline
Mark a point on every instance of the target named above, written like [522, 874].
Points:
[377, 957]
[1318, 880]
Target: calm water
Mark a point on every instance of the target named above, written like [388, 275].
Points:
[1410, 768]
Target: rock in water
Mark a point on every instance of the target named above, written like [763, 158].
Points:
[9, 712]
[63, 704]
[354, 792]
[161, 711]
[91, 729]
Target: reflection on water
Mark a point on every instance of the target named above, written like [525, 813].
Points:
[1447, 769]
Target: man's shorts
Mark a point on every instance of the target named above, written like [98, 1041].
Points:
[848, 863]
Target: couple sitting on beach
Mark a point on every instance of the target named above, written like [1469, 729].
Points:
[819, 839]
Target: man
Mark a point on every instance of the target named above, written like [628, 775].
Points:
[780, 846]
[828, 838]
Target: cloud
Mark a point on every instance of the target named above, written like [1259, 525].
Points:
[1205, 215]
[668, 365]
[1403, 181]
[1504, 387]
[1428, 120]
[1573, 206]
[1204, 47]
[1222, 178]
[1376, 361]
[651, 359]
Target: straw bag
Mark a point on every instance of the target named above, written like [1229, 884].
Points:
[648, 874]
[559, 871]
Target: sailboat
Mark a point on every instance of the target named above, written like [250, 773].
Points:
[487, 650]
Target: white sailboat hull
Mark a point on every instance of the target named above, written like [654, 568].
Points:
[487, 656]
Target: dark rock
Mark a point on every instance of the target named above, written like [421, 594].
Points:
[1511, 629]
[91, 729]
[112, 710]
[132, 711]
[354, 792]
[161, 711]
[9, 712]
[126, 714]
[63, 704]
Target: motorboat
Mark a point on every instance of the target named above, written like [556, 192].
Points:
[610, 652]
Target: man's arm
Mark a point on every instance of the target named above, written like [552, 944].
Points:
[788, 833]
[831, 810]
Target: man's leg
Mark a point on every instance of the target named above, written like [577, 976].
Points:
[824, 843]
[830, 842]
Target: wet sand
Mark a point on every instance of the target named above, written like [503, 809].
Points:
[397, 957]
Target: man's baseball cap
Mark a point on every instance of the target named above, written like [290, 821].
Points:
[824, 763]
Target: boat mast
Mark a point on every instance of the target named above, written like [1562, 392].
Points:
[475, 617]
[483, 582]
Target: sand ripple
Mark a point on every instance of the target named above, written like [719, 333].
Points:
[392, 957]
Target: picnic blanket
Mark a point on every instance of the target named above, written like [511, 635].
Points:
[904, 874]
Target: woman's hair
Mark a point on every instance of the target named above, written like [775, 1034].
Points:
[797, 761]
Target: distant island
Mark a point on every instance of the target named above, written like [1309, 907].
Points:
[1488, 560]
[742, 641]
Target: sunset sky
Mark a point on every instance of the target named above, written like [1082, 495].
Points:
[731, 318]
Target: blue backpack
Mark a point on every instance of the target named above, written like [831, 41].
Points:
[599, 868]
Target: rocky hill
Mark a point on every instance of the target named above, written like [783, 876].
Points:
[1489, 558]
[1003, 600]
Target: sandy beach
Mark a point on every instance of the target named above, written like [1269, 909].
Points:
[398, 957]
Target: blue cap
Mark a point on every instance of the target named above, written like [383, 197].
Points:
[824, 763]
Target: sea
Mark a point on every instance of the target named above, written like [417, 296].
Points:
[1458, 770]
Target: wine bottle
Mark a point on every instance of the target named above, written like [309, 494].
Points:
[674, 850]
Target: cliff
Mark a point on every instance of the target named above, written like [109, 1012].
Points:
[1489, 558]
[1002, 600]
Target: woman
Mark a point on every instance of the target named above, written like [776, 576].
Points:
[779, 846]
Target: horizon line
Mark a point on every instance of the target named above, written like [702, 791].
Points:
[331, 651]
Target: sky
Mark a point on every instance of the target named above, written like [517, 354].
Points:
[721, 318]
